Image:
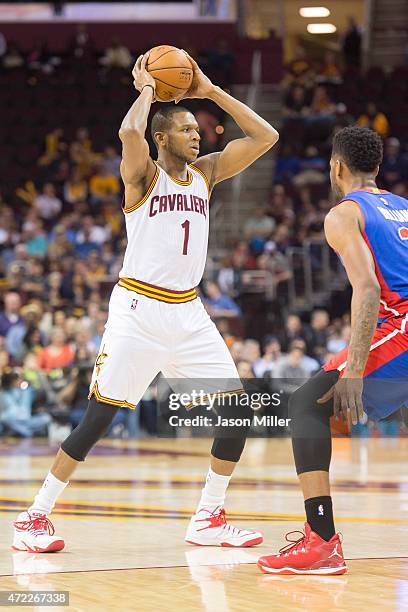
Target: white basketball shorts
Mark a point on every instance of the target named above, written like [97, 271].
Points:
[144, 337]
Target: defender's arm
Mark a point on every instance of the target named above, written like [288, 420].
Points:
[343, 228]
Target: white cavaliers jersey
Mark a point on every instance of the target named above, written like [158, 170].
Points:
[167, 232]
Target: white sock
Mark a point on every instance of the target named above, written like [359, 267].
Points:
[213, 494]
[46, 497]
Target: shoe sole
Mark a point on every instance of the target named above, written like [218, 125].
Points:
[247, 544]
[53, 547]
[327, 571]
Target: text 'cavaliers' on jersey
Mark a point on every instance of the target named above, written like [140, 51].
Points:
[167, 232]
[386, 235]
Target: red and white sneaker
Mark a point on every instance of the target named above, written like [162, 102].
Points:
[310, 554]
[211, 529]
[34, 532]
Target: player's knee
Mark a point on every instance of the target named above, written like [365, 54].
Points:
[235, 418]
[94, 425]
[228, 449]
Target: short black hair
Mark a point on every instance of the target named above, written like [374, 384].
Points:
[360, 148]
[161, 121]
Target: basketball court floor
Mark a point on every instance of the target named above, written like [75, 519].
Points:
[125, 513]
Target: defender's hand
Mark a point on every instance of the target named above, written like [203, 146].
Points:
[201, 86]
[347, 399]
[141, 76]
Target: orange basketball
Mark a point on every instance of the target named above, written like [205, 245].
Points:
[172, 71]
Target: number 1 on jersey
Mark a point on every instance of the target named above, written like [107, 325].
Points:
[186, 228]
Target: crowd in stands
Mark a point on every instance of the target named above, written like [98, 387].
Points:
[62, 234]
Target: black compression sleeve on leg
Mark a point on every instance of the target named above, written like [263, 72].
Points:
[228, 449]
[310, 423]
[229, 441]
[94, 425]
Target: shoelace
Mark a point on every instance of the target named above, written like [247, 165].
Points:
[293, 544]
[37, 524]
[219, 520]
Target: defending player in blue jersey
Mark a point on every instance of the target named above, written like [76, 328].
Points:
[369, 231]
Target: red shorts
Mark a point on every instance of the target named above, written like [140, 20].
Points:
[390, 340]
[386, 371]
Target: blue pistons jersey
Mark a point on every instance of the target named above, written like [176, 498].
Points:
[386, 235]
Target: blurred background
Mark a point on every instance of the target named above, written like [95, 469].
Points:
[277, 293]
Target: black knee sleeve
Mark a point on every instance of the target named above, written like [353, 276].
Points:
[230, 438]
[94, 425]
[228, 449]
[310, 423]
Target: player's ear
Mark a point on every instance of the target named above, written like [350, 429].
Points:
[339, 168]
[160, 138]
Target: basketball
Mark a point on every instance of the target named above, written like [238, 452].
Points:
[172, 71]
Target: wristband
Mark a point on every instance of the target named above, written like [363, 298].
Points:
[148, 85]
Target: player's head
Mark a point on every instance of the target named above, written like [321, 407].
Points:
[175, 130]
[357, 152]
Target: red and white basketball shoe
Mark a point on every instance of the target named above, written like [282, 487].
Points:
[310, 554]
[211, 529]
[34, 532]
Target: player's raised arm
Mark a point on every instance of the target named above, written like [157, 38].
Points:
[259, 137]
[137, 167]
[343, 228]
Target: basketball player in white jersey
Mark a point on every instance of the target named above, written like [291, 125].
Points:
[156, 321]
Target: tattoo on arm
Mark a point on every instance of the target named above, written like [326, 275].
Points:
[364, 321]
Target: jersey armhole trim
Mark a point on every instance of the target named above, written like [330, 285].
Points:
[204, 177]
[143, 200]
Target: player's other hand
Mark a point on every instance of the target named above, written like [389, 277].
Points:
[141, 76]
[201, 86]
[347, 396]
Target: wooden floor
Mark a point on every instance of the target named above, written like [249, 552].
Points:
[124, 514]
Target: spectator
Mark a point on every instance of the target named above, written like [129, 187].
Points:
[339, 340]
[47, 204]
[81, 45]
[352, 44]
[11, 315]
[90, 237]
[17, 335]
[312, 169]
[295, 106]
[250, 350]
[375, 120]
[245, 369]
[75, 188]
[110, 162]
[299, 70]
[12, 58]
[259, 225]
[319, 333]
[310, 365]
[321, 106]
[294, 329]
[290, 371]
[116, 56]
[209, 137]
[394, 167]
[58, 354]
[102, 185]
[36, 240]
[17, 398]
[329, 71]
[219, 305]
[59, 245]
[287, 165]
[271, 356]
